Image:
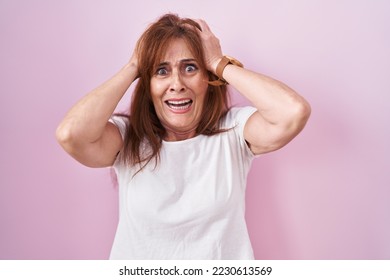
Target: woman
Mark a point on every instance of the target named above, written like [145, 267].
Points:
[182, 156]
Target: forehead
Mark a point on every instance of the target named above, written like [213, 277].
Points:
[177, 49]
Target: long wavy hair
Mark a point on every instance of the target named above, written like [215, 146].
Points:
[144, 129]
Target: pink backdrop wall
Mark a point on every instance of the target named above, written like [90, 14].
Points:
[325, 196]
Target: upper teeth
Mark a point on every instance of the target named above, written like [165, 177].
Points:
[178, 102]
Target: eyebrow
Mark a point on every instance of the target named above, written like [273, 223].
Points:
[186, 60]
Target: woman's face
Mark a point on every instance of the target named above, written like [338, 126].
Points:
[178, 88]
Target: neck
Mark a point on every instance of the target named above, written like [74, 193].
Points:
[179, 135]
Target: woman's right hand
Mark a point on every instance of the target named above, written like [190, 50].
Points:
[85, 132]
[133, 62]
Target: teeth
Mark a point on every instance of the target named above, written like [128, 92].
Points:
[179, 104]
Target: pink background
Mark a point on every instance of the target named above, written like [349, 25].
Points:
[325, 196]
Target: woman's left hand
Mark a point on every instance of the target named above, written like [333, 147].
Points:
[211, 47]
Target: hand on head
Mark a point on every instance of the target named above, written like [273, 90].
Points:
[211, 46]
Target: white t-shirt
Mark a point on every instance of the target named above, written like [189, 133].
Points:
[192, 204]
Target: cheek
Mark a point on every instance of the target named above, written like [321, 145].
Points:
[198, 84]
[202, 90]
[153, 87]
[156, 90]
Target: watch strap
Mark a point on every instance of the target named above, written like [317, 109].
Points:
[225, 60]
[221, 66]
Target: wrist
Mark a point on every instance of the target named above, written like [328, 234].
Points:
[220, 67]
[132, 69]
[214, 65]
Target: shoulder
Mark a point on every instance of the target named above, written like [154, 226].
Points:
[237, 116]
[121, 121]
[235, 121]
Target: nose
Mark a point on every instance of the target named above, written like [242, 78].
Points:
[176, 83]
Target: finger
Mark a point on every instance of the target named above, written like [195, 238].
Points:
[192, 24]
[202, 23]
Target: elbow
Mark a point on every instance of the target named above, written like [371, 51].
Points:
[65, 137]
[304, 111]
[301, 115]
[61, 134]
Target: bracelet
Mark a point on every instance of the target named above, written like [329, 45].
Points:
[221, 66]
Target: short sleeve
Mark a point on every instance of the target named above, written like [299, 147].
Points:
[236, 118]
[121, 123]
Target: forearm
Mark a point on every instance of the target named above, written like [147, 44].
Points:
[276, 102]
[87, 119]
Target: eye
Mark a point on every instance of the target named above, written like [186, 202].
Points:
[162, 71]
[191, 68]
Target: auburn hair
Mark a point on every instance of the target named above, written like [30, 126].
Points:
[144, 131]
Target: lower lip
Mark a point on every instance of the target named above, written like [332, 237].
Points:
[179, 110]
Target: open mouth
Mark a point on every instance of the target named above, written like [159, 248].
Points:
[179, 105]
